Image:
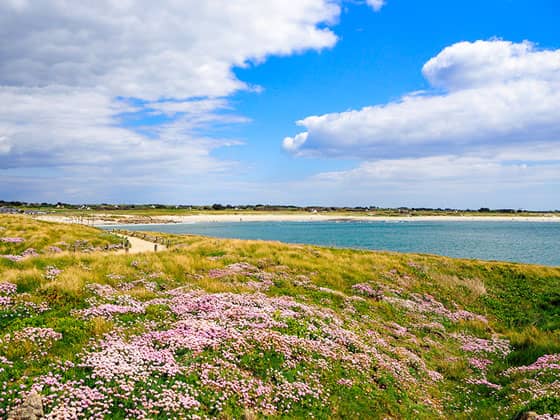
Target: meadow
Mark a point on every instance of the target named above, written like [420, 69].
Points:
[216, 328]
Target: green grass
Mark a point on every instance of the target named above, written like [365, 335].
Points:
[521, 303]
[40, 235]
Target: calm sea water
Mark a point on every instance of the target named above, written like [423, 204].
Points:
[530, 242]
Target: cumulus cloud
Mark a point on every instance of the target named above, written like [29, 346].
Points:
[80, 81]
[152, 50]
[495, 93]
[60, 127]
[484, 63]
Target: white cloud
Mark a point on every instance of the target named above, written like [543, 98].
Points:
[435, 181]
[461, 169]
[70, 70]
[487, 134]
[484, 63]
[498, 93]
[376, 4]
[152, 50]
[69, 127]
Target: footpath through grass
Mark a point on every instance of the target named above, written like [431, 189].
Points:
[231, 329]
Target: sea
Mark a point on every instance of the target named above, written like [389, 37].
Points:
[514, 241]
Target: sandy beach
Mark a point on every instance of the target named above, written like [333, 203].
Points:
[103, 220]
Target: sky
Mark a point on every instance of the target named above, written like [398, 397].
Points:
[311, 102]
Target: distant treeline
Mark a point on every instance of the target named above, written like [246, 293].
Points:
[20, 206]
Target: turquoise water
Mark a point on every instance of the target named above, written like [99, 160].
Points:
[530, 242]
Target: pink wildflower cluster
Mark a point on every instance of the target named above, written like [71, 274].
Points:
[345, 382]
[101, 290]
[397, 330]
[109, 301]
[148, 285]
[208, 337]
[480, 364]
[260, 285]
[302, 280]
[139, 358]
[29, 252]
[427, 304]
[52, 272]
[262, 280]
[366, 290]
[485, 382]
[37, 335]
[240, 268]
[7, 288]
[538, 387]
[546, 362]
[80, 399]
[17, 305]
[494, 345]
[5, 362]
[123, 304]
[12, 240]
[12, 257]
[54, 249]
[41, 339]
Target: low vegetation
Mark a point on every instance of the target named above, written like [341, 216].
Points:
[247, 329]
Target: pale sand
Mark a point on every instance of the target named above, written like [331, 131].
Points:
[325, 218]
[207, 218]
[270, 217]
[138, 245]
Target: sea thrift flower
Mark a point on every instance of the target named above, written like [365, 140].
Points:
[546, 362]
[29, 252]
[485, 382]
[52, 272]
[7, 288]
[240, 268]
[11, 257]
[213, 339]
[367, 290]
[102, 290]
[427, 304]
[39, 338]
[480, 364]
[345, 382]
[480, 345]
[12, 240]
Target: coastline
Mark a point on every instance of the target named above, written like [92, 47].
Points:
[105, 220]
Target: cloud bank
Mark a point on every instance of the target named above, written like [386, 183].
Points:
[493, 92]
[77, 80]
[489, 124]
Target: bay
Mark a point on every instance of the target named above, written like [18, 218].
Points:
[528, 242]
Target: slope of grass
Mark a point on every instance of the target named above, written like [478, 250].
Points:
[19, 233]
[232, 329]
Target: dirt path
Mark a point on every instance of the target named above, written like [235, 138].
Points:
[140, 245]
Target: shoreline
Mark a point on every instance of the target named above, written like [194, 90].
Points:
[242, 218]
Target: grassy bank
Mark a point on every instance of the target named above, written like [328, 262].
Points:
[232, 329]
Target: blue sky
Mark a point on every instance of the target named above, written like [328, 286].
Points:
[432, 103]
